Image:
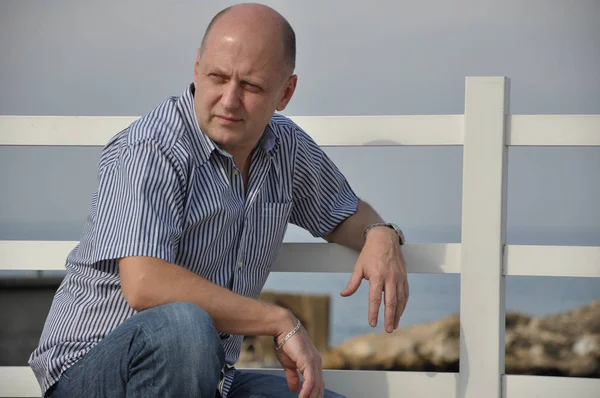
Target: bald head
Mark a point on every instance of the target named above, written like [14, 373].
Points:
[252, 20]
[243, 74]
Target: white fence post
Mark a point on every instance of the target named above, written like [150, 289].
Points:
[483, 237]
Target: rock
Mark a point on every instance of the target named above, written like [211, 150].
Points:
[425, 347]
[563, 345]
[566, 344]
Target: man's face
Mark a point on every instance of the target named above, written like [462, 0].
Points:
[239, 83]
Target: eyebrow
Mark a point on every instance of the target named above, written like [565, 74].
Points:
[250, 80]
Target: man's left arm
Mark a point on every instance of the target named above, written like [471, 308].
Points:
[380, 262]
[327, 207]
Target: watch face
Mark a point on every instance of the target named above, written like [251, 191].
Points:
[389, 225]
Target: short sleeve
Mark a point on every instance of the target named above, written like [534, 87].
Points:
[139, 205]
[322, 196]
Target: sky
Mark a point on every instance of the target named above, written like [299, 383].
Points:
[361, 58]
[354, 58]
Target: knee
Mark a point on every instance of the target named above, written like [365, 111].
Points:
[179, 345]
[187, 318]
[186, 328]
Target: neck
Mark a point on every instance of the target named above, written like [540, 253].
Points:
[241, 156]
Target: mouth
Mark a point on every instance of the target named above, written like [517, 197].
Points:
[228, 119]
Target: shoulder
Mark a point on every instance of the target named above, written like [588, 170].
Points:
[161, 129]
[289, 134]
[164, 125]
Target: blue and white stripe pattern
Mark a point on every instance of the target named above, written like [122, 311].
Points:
[166, 190]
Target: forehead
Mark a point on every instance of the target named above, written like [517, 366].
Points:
[251, 52]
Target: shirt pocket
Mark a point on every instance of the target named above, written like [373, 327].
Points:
[276, 211]
[271, 221]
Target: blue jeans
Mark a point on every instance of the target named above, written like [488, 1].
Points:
[171, 350]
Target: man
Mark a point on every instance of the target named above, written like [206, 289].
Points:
[192, 204]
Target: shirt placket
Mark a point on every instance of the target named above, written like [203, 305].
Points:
[258, 172]
[238, 186]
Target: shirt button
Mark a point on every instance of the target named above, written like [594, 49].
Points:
[235, 172]
[241, 264]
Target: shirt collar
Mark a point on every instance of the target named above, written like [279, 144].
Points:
[206, 146]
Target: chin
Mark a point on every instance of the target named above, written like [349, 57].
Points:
[225, 136]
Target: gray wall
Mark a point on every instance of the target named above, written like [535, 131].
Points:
[382, 57]
[375, 57]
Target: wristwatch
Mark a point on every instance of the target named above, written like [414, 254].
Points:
[389, 225]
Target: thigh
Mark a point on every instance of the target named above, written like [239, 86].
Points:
[102, 372]
[260, 385]
[168, 350]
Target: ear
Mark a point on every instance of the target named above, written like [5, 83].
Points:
[197, 67]
[288, 92]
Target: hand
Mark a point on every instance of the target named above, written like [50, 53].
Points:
[300, 354]
[382, 264]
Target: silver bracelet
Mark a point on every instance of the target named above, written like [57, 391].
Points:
[289, 335]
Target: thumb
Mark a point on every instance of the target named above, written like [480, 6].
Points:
[354, 283]
[293, 379]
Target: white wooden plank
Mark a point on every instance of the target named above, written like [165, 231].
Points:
[355, 384]
[20, 382]
[554, 130]
[61, 130]
[483, 232]
[383, 384]
[536, 260]
[293, 257]
[429, 258]
[383, 130]
[326, 130]
[525, 130]
[29, 255]
[520, 386]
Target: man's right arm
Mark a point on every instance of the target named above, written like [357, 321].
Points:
[149, 281]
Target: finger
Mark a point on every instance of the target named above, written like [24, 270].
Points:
[398, 312]
[317, 391]
[403, 300]
[321, 383]
[317, 383]
[375, 291]
[391, 304]
[406, 289]
[308, 385]
[293, 379]
[322, 390]
[354, 283]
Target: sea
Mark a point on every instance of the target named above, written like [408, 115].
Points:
[432, 297]
[426, 203]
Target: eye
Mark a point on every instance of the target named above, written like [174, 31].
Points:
[217, 77]
[253, 88]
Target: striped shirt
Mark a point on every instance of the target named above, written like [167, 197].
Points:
[167, 190]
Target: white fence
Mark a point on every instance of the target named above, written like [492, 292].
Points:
[485, 130]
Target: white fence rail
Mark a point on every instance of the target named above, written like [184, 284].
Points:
[483, 258]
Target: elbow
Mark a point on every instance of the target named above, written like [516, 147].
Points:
[135, 297]
[135, 285]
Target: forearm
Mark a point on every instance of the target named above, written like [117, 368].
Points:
[350, 232]
[150, 282]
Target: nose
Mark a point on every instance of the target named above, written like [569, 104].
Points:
[231, 97]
